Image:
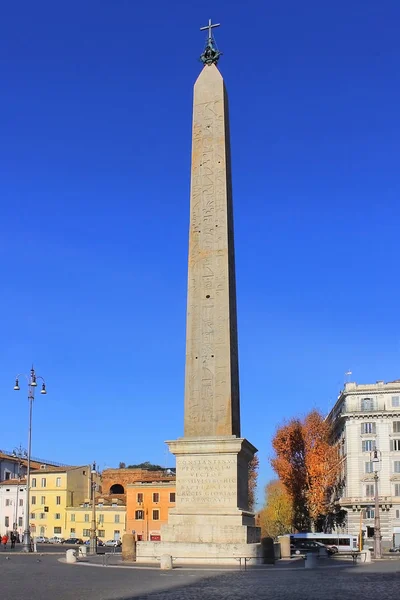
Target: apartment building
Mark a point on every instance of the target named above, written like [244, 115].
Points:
[52, 490]
[110, 515]
[366, 417]
[147, 506]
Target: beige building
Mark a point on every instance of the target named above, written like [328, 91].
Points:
[367, 417]
[52, 490]
[110, 519]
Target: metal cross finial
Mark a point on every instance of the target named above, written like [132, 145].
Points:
[211, 53]
[209, 27]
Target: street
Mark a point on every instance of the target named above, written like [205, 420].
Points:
[44, 577]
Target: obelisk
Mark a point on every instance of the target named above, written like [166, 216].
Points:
[212, 379]
[211, 521]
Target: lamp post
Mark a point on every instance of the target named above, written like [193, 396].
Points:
[32, 384]
[376, 464]
[93, 538]
[18, 453]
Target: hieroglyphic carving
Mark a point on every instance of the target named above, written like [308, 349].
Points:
[208, 390]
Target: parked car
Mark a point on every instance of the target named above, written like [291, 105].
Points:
[56, 540]
[113, 543]
[394, 549]
[73, 541]
[99, 542]
[42, 540]
[303, 546]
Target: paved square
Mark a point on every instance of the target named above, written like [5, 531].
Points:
[45, 578]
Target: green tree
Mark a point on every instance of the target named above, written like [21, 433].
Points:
[277, 514]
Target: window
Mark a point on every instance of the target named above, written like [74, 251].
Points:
[34, 482]
[21, 501]
[396, 426]
[32, 515]
[72, 530]
[86, 505]
[156, 515]
[369, 467]
[57, 516]
[397, 489]
[6, 521]
[57, 529]
[42, 516]
[33, 528]
[100, 504]
[397, 514]
[369, 513]
[86, 518]
[7, 502]
[58, 499]
[72, 517]
[58, 482]
[19, 521]
[369, 489]
[396, 401]
[86, 532]
[116, 518]
[368, 445]
[43, 481]
[7, 474]
[33, 499]
[101, 533]
[172, 497]
[140, 497]
[395, 445]
[396, 466]
[368, 427]
[43, 500]
[156, 497]
[139, 515]
[101, 518]
[367, 404]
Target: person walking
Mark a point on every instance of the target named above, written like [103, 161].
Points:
[12, 538]
[4, 541]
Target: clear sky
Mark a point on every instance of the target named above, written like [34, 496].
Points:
[95, 134]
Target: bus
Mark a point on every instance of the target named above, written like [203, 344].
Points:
[336, 542]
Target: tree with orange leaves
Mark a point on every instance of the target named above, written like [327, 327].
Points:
[308, 465]
[252, 481]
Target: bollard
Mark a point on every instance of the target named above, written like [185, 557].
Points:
[70, 556]
[128, 547]
[368, 557]
[166, 562]
[310, 560]
[82, 550]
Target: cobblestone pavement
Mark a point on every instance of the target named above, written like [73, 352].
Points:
[45, 578]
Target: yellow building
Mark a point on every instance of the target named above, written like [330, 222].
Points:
[110, 519]
[52, 491]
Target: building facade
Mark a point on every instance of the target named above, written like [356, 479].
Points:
[147, 506]
[12, 506]
[52, 490]
[367, 417]
[110, 519]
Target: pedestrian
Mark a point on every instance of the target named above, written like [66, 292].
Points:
[4, 541]
[12, 538]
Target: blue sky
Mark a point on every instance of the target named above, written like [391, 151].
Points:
[95, 122]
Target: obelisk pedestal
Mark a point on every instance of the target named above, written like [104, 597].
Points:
[211, 521]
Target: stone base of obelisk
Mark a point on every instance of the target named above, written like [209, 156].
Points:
[210, 522]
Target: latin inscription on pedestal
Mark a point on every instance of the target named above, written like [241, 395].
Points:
[207, 481]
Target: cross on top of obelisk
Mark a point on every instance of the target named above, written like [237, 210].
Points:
[211, 53]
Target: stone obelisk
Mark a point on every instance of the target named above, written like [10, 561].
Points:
[211, 521]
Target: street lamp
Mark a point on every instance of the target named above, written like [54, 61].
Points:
[376, 456]
[32, 384]
[18, 453]
[93, 538]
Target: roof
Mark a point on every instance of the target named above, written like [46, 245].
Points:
[50, 469]
[13, 482]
